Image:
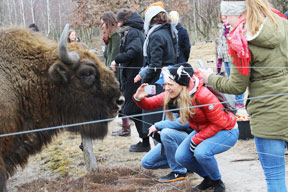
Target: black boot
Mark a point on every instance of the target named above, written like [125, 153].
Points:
[140, 147]
[205, 184]
[219, 186]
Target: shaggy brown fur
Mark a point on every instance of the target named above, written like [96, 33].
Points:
[38, 90]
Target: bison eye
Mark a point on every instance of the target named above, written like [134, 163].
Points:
[86, 74]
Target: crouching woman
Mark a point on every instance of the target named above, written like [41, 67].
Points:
[215, 130]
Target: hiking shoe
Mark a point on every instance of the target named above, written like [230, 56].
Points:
[205, 184]
[139, 147]
[124, 132]
[219, 186]
[173, 177]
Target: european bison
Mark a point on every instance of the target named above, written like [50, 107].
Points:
[43, 85]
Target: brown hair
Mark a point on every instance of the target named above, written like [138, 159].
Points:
[257, 10]
[184, 101]
[123, 15]
[161, 17]
[110, 20]
[69, 32]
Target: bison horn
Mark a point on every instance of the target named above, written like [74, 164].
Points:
[65, 56]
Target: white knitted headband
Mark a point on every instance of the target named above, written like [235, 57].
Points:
[233, 7]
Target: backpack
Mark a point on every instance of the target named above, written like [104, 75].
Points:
[227, 100]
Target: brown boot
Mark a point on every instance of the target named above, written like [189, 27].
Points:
[124, 132]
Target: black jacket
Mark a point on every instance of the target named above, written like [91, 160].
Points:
[130, 59]
[184, 44]
[161, 51]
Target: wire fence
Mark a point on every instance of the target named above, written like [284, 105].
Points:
[132, 117]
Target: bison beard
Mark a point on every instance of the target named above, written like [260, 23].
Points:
[43, 85]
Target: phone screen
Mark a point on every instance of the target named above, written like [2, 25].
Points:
[150, 89]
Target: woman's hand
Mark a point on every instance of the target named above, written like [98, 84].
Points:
[113, 66]
[137, 78]
[205, 74]
[152, 129]
[140, 93]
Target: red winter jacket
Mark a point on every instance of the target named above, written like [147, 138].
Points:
[207, 121]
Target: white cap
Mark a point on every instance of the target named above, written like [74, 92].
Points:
[151, 12]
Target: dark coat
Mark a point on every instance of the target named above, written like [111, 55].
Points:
[131, 59]
[161, 51]
[184, 44]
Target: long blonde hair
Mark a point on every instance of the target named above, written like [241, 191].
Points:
[183, 101]
[257, 10]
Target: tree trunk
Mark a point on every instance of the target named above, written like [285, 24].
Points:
[89, 156]
[48, 16]
[9, 12]
[60, 15]
[23, 13]
[15, 13]
[195, 23]
[32, 10]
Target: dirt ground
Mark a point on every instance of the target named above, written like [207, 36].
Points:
[60, 166]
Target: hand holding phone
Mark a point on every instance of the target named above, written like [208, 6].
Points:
[150, 89]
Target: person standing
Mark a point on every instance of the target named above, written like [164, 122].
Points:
[160, 49]
[130, 60]
[111, 39]
[222, 47]
[223, 56]
[183, 38]
[258, 45]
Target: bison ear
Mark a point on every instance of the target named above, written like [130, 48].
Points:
[59, 73]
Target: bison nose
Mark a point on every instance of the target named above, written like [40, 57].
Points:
[120, 101]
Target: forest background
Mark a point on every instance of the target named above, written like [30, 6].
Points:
[199, 17]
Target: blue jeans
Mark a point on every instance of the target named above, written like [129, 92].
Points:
[170, 139]
[227, 66]
[202, 161]
[271, 153]
[239, 98]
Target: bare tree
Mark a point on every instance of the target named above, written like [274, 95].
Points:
[48, 16]
[198, 16]
[1, 12]
[31, 3]
[59, 12]
[9, 10]
[15, 12]
[23, 12]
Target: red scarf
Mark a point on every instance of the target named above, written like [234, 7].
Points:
[279, 13]
[238, 47]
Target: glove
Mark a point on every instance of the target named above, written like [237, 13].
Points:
[192, 146]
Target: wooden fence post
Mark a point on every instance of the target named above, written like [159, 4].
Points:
[89, 156]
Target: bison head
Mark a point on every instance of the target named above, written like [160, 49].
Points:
[85, 89]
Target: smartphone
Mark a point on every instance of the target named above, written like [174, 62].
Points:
[150, 89]
[201, 64]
